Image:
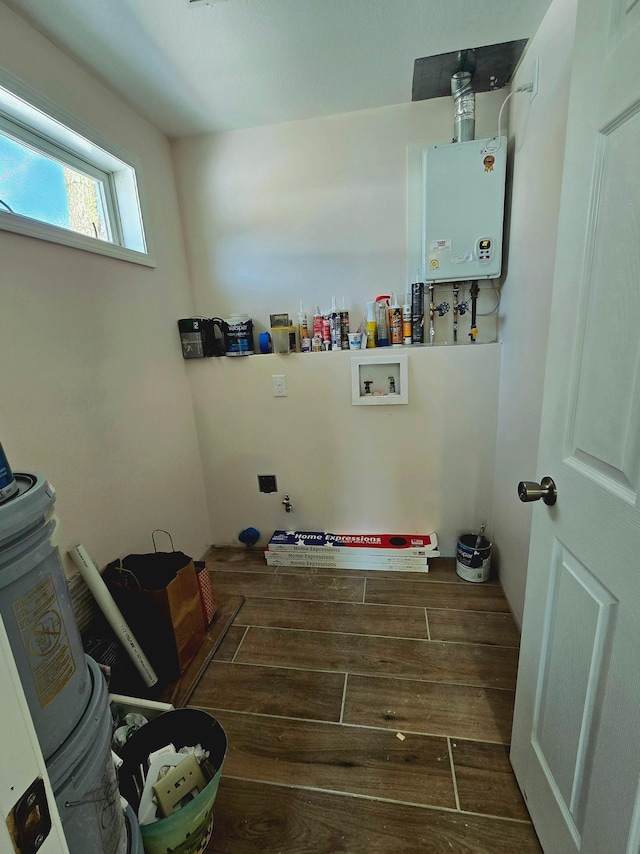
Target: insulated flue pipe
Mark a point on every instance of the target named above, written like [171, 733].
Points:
[464, 99]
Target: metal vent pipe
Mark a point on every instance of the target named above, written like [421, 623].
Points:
[464, 99]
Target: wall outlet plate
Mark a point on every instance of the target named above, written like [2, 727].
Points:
[279, 383]
[185, 779]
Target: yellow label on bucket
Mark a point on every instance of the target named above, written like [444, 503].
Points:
[44, 636]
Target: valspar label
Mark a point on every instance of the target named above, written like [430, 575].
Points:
[44, 635]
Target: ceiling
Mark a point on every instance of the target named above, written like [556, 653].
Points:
[243, 63]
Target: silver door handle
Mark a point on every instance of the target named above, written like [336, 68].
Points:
[529, 490]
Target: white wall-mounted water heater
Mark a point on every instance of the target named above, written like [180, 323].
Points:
[463, 210]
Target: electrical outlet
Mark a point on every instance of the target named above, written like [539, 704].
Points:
[279, 382]
[534, 79]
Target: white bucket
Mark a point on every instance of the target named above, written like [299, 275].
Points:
[473, 564]
[84, 783]
[36, 608]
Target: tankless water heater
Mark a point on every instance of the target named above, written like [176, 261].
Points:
[463, 210]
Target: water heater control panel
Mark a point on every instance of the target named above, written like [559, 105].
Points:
[463, 210]
[484, 250]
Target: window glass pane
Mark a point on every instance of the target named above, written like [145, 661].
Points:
[35, 185]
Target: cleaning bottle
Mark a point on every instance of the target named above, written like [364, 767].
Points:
[395, 322]
[371, 325]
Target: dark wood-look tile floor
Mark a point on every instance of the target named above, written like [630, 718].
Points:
[365, 712]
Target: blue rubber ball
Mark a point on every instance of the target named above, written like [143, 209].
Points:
[249, 537]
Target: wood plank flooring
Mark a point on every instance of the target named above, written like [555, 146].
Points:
[365, 712]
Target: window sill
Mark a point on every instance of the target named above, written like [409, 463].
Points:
[42, 231]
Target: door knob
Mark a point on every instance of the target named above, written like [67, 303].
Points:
[528, 490]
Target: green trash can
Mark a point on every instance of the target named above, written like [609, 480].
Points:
[188, 830]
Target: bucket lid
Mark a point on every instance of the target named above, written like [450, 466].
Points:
[34, 499]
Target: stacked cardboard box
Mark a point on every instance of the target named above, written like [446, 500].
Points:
[388, 552]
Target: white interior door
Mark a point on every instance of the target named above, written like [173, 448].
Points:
[576, 737]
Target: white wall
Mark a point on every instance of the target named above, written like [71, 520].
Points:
[416, 468]
[307, 210]
[310, 209]
[537, 131]
[92, 381]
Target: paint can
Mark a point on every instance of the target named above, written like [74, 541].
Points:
[83, 779]
[8, 484]
[36, 608]
[473, 564]
[239, 335]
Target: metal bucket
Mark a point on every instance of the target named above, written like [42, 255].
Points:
[473, 564]
[36, 608]
[83, 779]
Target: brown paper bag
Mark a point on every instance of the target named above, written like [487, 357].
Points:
[159, 597]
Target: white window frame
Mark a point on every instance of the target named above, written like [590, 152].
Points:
[31, 118]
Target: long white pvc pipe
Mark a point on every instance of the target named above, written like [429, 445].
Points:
[101, 594]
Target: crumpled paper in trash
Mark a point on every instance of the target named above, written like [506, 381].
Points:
[132, 723]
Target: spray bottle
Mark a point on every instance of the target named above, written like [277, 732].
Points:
[395, 322]
[371, 325]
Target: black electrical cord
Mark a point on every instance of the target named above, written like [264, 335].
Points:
[5, 205]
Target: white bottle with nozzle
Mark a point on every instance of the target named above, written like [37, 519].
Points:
[406, 319]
